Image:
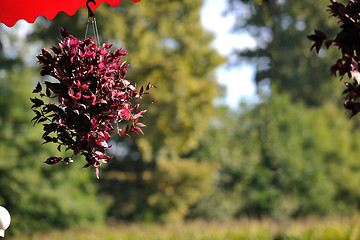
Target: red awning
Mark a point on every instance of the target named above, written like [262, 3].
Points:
[13, 10]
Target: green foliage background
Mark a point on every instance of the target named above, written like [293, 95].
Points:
[292, 154]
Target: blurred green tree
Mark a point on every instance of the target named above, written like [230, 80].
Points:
[168, 46]
[281, 159]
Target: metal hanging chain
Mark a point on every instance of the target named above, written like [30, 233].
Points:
[91, 18]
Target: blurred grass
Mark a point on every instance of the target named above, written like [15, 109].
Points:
[305, 229]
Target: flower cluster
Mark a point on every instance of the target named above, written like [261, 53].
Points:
[88, 97]
[348, 43]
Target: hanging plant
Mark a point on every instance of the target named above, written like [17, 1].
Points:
[89, 98]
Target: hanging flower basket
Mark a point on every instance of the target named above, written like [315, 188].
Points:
[88, 98]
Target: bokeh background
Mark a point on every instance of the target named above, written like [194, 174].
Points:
[248, 123]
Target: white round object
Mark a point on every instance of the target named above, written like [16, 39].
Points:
[4, 220]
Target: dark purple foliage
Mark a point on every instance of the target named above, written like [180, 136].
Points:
[348, 43]
[89, 96]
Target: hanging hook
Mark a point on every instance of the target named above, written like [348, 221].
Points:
[91, 18]
[91, 13]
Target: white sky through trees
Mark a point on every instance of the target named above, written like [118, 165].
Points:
[237, 79]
